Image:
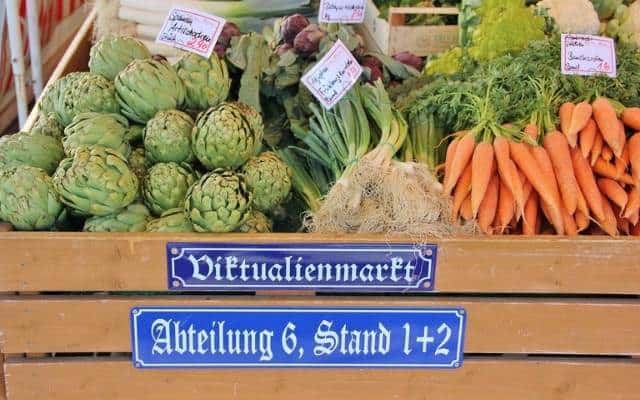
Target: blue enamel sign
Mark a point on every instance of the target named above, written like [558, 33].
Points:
[301, 337]
[330, 267]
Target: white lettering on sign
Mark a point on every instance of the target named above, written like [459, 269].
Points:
[173, 337]
[288, 269]
[191, 30]
[588, 55]
[342, 11]
[332, 77]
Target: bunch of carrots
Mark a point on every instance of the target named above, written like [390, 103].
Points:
[562, 172]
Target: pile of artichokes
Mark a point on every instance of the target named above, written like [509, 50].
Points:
[138, 144]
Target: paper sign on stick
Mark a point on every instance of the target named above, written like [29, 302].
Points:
[332, 77]
[191, 30]
[342, 11]
[588, 55]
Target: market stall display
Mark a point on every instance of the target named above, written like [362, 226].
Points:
[486, 181]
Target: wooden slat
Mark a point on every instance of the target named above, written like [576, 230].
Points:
[101, 323]
[136, 262]
[493, 379]
[423, 10]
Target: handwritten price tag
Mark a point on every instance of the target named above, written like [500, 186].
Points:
[332, 77]
[588, 55]
[342, 11]
[191, 30]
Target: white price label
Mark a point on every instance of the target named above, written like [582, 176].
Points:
[588, 55]
[332, 77]
[191, 30]
[342, 11]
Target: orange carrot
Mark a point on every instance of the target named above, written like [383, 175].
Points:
[465, 209]
[579, 119]
[631, 117]
[587, 137]
[482, 165]
[527, 163]
[607, 170]
[582, 221]
[528, 189]
[607, 153]
[451, 150]
[558, 149]
[620, 164]
[570, 226]
[506, 208]
[462, 156]
[566, 112]
[607, 120]
[544, 161]
[545, 211]
[634, 218]
[634, 157]
[613, 191]
[596, 150]
[622, 138]
[633, 202]
[625, 156]
[531, 130]
[489, 205]
[587, 183]
[623, 225]
[582, 203]
[509, 172]
[461, 191]
[530, 215]
[609, 223]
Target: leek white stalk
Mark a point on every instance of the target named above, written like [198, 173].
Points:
[154, 13]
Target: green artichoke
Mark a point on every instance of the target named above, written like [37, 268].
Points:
[28, 200]
[47, 125]
[89, 129]
[206, 81]
[218, 202]
[51, 98]
[174, 220]
[134, 134]
[96, 181]
[166, 185]
[133, 218]
[257, 222]
[167, 137]
[138, 163]
[226, 136]
[39, 151]
[147, 86]
[269, 179]
[82, 92]
[113, 53]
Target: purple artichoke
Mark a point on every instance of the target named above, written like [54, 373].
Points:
[283, 48]
[375, 66]
[229, 30]
[308, 40]
[292, 25]
[410, 59]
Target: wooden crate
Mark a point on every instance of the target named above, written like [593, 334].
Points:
[392, 36]
[548, 318]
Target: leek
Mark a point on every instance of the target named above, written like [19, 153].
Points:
[154, 12]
